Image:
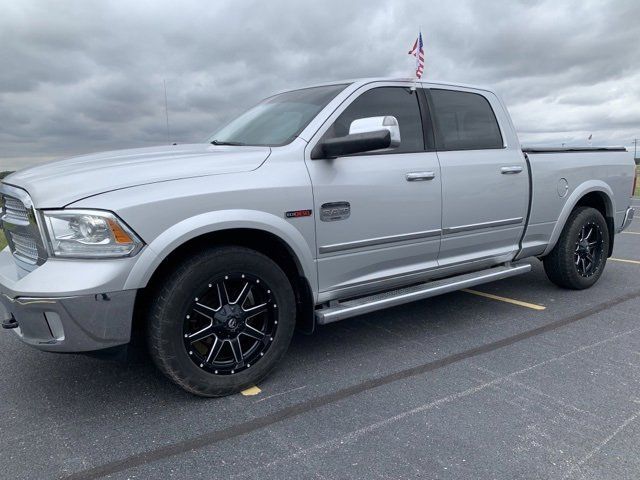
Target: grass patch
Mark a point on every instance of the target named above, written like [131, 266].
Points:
[637, 192]
[3, 241]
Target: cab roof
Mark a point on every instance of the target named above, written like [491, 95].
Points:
[365, 80]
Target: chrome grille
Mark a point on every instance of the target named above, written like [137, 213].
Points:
[20, 227]
[15, 212]
[25, 248]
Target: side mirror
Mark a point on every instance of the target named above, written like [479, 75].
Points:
[365, 135]
[374, 124]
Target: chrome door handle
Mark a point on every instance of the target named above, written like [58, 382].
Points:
[419, 176]
[511, 170]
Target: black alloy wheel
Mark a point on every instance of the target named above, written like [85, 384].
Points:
[220, 320]
[580, 255]
[230, 324]
[588, 253]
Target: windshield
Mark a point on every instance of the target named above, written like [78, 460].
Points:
[278, 119]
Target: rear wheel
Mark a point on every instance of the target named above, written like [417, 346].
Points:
[221, 321]
[579, 257]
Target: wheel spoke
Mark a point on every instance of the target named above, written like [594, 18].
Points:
[201, 334]
[207, 307]
[256, 309]
[589, 234]
[214, 351]
[584, 265]
[254, 333]
[237, 352]
[244, 293]
[223, 296]
[577, 259]
[208, 317]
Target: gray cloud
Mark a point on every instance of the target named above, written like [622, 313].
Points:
[85, 76]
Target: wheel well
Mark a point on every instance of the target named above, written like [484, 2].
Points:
[266, 243]
[600, 202]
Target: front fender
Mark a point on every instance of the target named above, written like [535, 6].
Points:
[572, 201]
[152, 256]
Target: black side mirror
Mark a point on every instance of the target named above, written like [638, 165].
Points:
[353, 143]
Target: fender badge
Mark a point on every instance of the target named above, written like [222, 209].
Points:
[298, 213]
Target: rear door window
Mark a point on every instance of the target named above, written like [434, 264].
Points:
[464, 121]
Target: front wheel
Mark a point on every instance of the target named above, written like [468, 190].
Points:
[579, 257]
[221, 321]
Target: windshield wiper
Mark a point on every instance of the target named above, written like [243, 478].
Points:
[234, 144]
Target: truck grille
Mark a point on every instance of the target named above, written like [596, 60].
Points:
[24, 247]
[20, 227]
[15, 211]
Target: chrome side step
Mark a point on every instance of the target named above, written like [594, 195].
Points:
[379, 301]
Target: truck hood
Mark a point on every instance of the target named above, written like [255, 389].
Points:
[56, 184]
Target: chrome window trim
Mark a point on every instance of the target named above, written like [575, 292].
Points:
[370, 242]
[479, 226]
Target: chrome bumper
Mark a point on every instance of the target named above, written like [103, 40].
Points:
[71, 324]
[628, 218]
[67, 306]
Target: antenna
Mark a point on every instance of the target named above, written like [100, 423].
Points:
[166, 111]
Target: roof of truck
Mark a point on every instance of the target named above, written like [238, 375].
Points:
[365, 80]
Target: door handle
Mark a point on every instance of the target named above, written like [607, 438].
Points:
[511, 170]
[419, 176]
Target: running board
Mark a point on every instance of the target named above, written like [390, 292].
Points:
[379, 301]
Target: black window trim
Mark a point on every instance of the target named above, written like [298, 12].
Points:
[436, 128]
[427, 120]
[421, 108]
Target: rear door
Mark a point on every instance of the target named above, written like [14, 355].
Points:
[485, 187]
[377, 213]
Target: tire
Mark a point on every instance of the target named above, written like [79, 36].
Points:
[196, 333]
[578, 259]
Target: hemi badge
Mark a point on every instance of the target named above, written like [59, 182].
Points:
[298, 213]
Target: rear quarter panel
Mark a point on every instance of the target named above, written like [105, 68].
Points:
[608, 172]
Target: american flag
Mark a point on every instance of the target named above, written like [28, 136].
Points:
[418, 52]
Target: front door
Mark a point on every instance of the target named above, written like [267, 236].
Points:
[377, 214]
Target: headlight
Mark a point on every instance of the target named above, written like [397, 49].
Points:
[89, 234]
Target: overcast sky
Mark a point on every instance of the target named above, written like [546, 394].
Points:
[84, 76]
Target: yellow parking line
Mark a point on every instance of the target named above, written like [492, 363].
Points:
[251, 391]
[513, 301]
[637, 262]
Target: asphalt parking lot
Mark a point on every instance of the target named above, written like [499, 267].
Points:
[528, 382]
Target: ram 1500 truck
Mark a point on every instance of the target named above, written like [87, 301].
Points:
[317, 205]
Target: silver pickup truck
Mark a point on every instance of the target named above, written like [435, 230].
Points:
[317, 205]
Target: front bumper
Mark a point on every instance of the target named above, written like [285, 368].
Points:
[628, 218]
[67, 306]
[72, 324]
